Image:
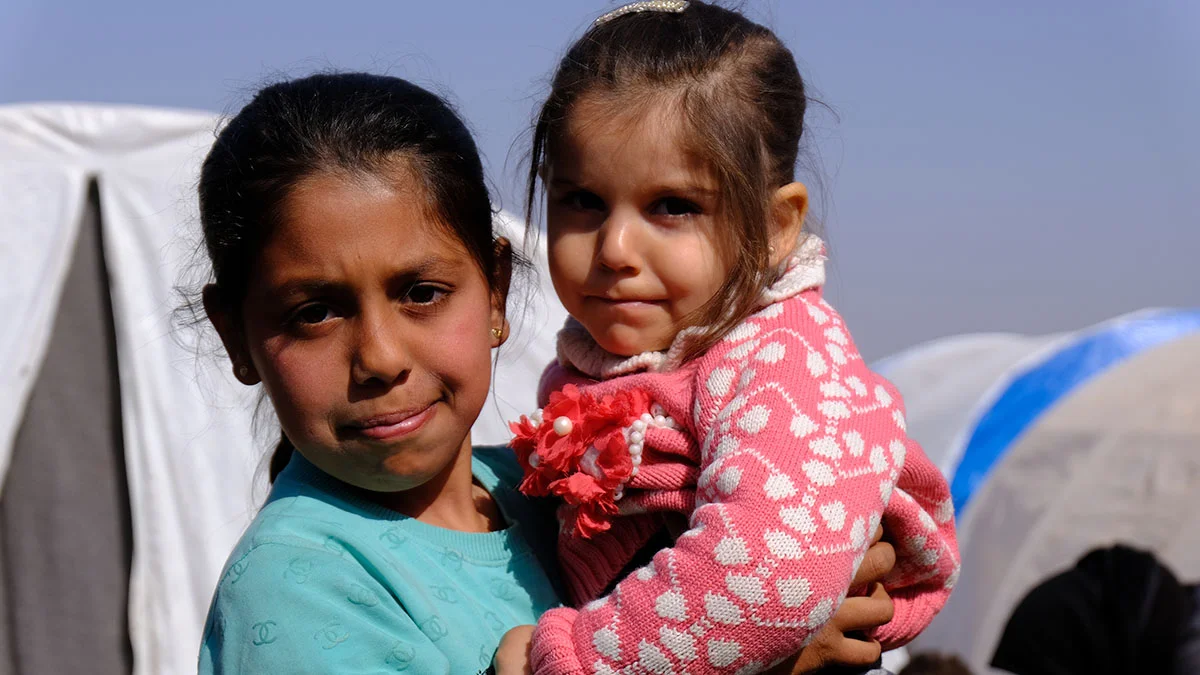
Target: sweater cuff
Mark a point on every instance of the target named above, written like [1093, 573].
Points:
[553, 650]
[908, 620]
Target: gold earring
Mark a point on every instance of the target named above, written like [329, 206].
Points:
[497, 333]
[243, 371]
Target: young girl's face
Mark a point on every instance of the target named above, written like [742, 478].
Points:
[631, 220]
[371, 327]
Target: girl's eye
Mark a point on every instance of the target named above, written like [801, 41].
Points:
[675, 206]
[584, 201]
[425, 294]
[312, 314]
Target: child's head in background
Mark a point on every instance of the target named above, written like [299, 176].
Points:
[356, 275]
[666, 151]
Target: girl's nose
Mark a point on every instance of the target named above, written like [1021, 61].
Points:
[380, 355]
[616, 248]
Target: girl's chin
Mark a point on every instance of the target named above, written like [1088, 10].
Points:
[390, 483]
[624, 344]
[375, 475]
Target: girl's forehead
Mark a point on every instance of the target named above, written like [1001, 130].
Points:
[599, 110]
[335, 221]
[637, 142]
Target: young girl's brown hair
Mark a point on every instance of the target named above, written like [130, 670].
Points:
[741, 100]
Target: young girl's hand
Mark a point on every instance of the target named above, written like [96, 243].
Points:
[840, 641]
[512, 656]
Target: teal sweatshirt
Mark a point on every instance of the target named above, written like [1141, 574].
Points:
[326, 582]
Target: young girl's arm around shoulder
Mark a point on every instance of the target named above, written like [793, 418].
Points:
[801, 449]
[290, 609]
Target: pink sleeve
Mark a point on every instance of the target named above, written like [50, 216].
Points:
[802, 446]
[920, 522]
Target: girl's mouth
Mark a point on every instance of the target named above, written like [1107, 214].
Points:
[393, 425]
[627, 303]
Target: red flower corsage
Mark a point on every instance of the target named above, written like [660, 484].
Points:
[584, 449]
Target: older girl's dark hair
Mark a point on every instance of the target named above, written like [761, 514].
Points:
[742, 101]
[350, 123]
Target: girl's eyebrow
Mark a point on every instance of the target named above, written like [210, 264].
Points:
[431, 266]
[563, 182]
[690, 189]
[306, 287]
[686, 189]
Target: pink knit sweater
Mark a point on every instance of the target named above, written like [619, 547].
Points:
[785, 453]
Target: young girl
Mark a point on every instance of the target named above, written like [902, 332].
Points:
[356, 276]
[707, 407]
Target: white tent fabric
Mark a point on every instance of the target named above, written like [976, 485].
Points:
[943, 397]
[190, 456]
[1110, 459]
[189, 462]
[42, 206]
[1118, 461]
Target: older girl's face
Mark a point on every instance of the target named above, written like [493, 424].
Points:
[371, 327]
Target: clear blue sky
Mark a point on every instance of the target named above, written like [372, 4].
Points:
[1025, 166]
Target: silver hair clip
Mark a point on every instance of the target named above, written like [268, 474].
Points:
[675, 6]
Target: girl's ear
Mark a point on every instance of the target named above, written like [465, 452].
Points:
[502, 277]
[789, 207]
[223, 320]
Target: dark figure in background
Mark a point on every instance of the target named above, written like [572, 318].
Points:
[1118, 611]
[932, 663]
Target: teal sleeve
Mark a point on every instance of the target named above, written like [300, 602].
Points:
[291, 609]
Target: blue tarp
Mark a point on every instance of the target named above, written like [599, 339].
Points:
[1044, 384]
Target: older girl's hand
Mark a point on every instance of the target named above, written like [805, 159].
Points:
[512, 656]
[841, 641]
